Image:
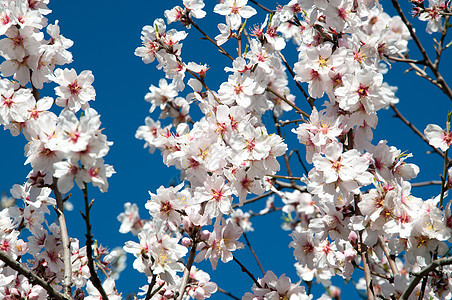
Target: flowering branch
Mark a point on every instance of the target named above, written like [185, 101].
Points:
[261, 6]
[424, 272]
[32, 277]
[89, 246]
[67, 283]
[188, 266]
[433, 67]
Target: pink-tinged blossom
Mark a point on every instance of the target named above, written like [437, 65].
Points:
[130, 219]
[272, 287]
[14, 104]
[109, 288]
[75, 90]
[166, 205]
[438, 137]
[235, 10]
[222, 241]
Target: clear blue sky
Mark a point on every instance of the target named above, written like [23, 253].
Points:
[105, 35]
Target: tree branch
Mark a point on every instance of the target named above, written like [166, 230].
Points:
[32, 277]
[67, 281]
[424, 272]
[89, 247]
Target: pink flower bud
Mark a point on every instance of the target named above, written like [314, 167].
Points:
[186, 242]
[353, 238]
[204, 235]
[350, 254]
[168, 294]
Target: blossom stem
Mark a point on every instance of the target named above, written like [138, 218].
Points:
[89, 246]
[254, 253]
[244, 269]
[67, 281]
[444, 179]
[32, 277]
[188, 266]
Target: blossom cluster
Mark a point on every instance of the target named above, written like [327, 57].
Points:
[61, 148]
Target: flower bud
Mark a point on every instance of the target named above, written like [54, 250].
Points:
[186, 242]
[205, 234]
[353, 238]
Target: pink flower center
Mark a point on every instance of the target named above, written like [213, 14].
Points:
[74, 88]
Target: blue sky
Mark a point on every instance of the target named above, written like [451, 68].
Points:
[105, 35]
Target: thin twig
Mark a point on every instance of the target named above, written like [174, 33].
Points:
[254, 253]
[89, 246]
[263, 7]
[444, 179]
[301, 161]
[67, 281]
[265, 195]
[228, 294]
[285, 177]
[306, 95]
[222, 51]
[151, 286]
[392, 264]
[366, 268]
[426, 183]
[414, 129]
[244, 269]
[32, 277]
[443, 85]
[286, 158]
[298, 110]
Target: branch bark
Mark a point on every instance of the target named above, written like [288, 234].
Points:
[32, 277]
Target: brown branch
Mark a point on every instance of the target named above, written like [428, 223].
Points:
[392, 264]
[406, 60]
[415, 130]
[67, 279]
[424, 272]
[298, 110]
[306, 95]
[443, 85]
[220, 49]
[89, 247]
[244, 269]
[265, 195]
[263, 7]
[431, 182]
[228, 294]
[366, 268]
[254, 253]
[285, 177]
[188, 266]
[32, 277]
